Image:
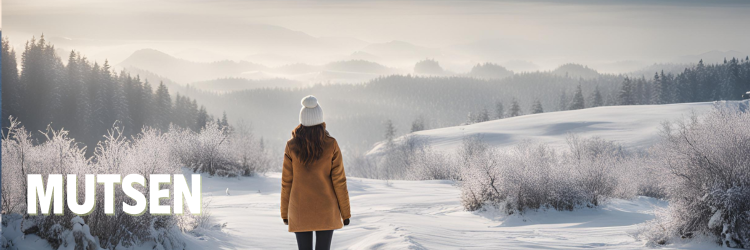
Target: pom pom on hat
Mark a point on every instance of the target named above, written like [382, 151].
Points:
[309, 101]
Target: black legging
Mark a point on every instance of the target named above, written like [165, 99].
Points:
[323, 242]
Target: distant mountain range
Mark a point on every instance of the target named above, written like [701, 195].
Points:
[184, 71]
[229, 75]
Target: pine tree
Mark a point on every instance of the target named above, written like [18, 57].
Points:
[163, 110]
[515, 109]
[625, 96]
[76, 99]
[202, 119]
[597, 97]
[40, 77]
[563, 102]
[11, 88]
[118, 104]
[149, 112]
[133, 89]
[658, 88]
[390, 132]
[734, 83]
[417, 124]
[483, 116]
[224, 122]
[193, 116]
[537, 107]
[638, 92]
[577, 102]
[499, 110]
[665, 89]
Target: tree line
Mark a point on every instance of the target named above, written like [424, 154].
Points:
[724, 81]
[702, 83]
[87, 98]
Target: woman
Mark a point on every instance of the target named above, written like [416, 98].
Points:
[313, 184]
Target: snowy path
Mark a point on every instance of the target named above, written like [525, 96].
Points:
[416, 215]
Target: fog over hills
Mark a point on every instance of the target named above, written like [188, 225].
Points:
[400, 52]
[186, 71]
[228, 75]
[224, 85]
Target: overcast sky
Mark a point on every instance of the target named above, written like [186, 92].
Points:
[539, 31]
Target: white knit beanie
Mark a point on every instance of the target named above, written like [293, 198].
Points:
[311, 114]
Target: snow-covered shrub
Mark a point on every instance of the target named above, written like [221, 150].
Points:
[217, 150]
[411, 159]
[533, 176]
[527, 177]
[147, 153]
[595, 165]
[195, 223]
[17, 149]
[479, 174]
[641, 175]
[360, 165]
[433, 165]
[250, 152]
[707, 161]
[399, 158]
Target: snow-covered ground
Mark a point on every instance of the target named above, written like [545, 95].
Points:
[634, 127]
[409, 215]
[429, 215]
[418, 215]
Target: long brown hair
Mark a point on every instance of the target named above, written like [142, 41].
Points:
[309, 142]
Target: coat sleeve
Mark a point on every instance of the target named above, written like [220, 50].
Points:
[287, 175]
[339, 183]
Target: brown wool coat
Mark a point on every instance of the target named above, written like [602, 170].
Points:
[314, 198]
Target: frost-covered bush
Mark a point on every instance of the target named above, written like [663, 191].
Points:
[219, 150]
[533, 176]
[150, 152]
[194, 223]
[596, 166]
[526, 177]
[411, 159]
[707, 161]
[147, 153]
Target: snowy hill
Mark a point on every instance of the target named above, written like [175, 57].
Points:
[635, 127]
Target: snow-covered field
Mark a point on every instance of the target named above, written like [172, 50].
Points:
[418, 215]
[429, 215]
[634, 127]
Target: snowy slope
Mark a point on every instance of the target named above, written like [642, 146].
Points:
[418, 215]
[635, 127]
